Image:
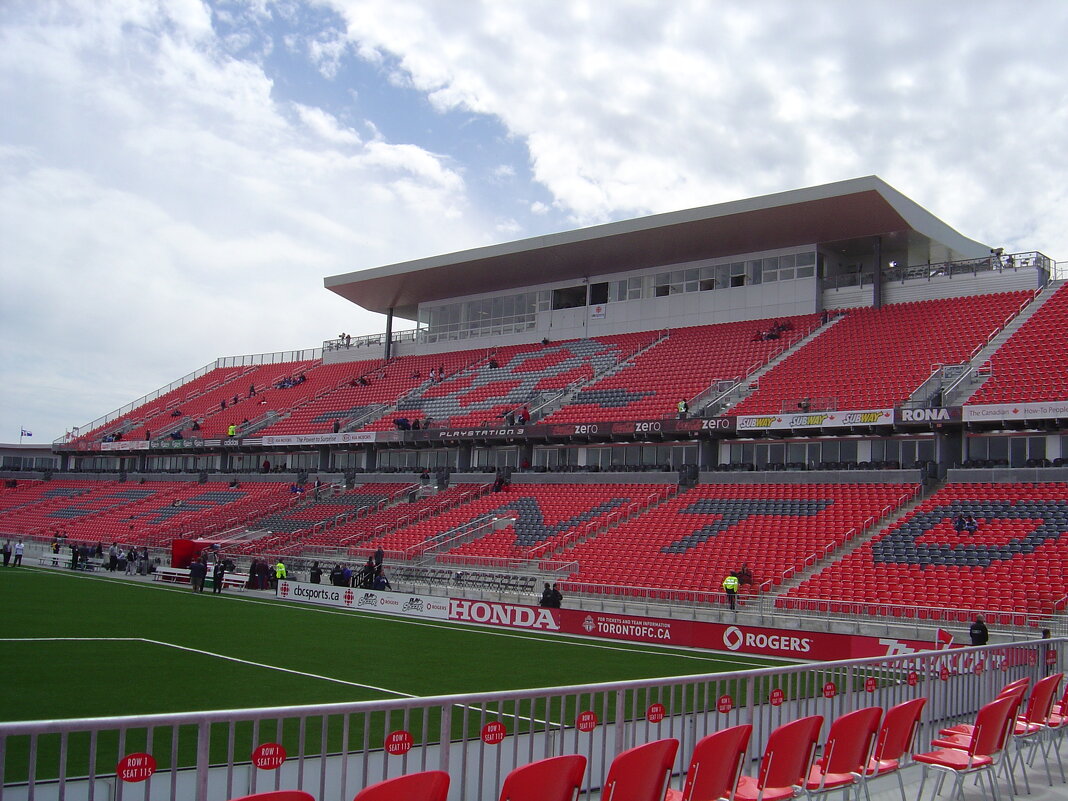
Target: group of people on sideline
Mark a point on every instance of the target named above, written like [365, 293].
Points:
[551, 597]
[371, 576]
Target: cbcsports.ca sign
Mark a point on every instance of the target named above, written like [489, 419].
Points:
[394, 603]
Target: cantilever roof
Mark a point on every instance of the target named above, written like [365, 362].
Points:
[847, 210]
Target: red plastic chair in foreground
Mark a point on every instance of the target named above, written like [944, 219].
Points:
[430, 785]
[277, 795]
[553, 779]
[716, 766]
[846, 753]
[1033, 725]
[985, 745]
[641, 773]
[786, 762]
[895, 740]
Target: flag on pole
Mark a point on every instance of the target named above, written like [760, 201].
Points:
[26, 433]
[944, 639]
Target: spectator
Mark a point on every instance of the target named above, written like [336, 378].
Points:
[546, 596]
[524, 416]
[218, 573]
[197, 571]
[745, 575]
[558, 597]
[336, 426]
[978, 631]
[380, 580]
[683, 408]
[493, 363]
[266, 466]
[380, 555]
[959, 523]
[176, 412]
[222, 404]
[971, 525]
[231, 430]
[252, 391]
[730, 586]
[195, 426]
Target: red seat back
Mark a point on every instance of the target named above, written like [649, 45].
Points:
[898, 729]
[850, 740]
[278, 795]
[716, 764]
[553, 779]
[788, 754]
[1041, 701]
[991, 729]
[430, 785]
[641, 773]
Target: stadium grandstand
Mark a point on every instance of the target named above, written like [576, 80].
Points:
[829, 393]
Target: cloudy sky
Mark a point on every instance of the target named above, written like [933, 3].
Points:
[177, 176]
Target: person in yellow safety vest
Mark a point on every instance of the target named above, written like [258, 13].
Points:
[279, 571]
[232, 430]
[683, 408]
[730, 586]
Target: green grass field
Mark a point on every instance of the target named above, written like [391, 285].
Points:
[78, 645]
[350, 655]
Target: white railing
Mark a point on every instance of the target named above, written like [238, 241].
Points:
[253, 359]
[334, 750]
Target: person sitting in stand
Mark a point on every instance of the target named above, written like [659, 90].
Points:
[745, 575]
[493, 363]
[380, 580]
[971, 525]
[196, 425]
[176, 412]
[524, 416]
[176, 434]
[959, 523]
[415, 424]
[402, 423]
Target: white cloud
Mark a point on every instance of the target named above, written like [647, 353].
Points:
[160, 207]
[634, 107]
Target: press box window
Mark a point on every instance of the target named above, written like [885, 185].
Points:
[570, 297]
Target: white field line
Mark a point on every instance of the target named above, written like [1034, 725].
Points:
[252, 663]
[676, 652]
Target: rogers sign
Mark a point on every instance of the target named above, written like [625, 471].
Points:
[734, 638]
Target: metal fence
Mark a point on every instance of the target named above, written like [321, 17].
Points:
[334, 750]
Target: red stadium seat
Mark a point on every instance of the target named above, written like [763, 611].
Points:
[430, 785]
